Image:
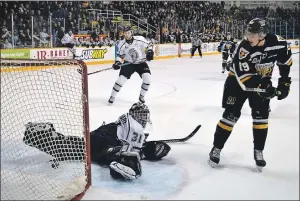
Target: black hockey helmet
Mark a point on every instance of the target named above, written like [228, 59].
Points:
[257, 26]
[128, 36]
[127, 28]
[141, 113]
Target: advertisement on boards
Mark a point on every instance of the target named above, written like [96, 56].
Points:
[15, 54]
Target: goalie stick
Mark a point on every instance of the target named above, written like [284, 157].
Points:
[182, 139]
[55, 163]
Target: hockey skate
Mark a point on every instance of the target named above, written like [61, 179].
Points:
[259, 159]
[223, 70]
[214, 157]
[142, 99]
[111, 100]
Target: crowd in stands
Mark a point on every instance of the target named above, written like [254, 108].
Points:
[173, 21]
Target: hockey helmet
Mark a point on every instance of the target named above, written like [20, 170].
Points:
[128, 32]
[257, 26]
[141, 113]
[127, 28]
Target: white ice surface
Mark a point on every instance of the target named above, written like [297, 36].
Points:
[184, 93]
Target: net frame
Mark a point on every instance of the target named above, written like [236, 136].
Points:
[18, 64]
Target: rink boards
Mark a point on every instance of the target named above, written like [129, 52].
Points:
[107, 55]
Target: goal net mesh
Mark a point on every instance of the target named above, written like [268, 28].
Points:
[48, 100]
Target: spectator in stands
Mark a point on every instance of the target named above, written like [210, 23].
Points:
[22, 38]
[28, 37]
[185, 15]
[95, 34]
[59, 35]
[5, 34]
[177, 35]
[44, 38]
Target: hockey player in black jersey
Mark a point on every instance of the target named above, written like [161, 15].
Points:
[252, 68]
[227, 46]
[120, 145]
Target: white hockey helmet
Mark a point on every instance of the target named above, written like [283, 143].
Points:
[141, 113]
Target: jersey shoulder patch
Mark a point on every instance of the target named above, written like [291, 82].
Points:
[122, 120]
[243, 52]
[121, 43]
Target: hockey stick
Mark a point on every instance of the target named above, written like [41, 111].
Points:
[296, 53]
[110, 68]
[105, 69]
[182, 139]
[258, 90]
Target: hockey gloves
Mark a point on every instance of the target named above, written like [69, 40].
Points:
[116, 65]
[149, 55]
[228, 65]
[271, 91]
[283, 87]
[154, 150]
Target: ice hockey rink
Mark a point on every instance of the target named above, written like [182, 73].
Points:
[184, 93]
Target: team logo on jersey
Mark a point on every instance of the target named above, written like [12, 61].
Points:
[243, 53]
[265, 69]
[264, 55]
[133, 54]
[228, 46]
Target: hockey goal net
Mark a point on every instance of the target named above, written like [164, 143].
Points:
[38, 91]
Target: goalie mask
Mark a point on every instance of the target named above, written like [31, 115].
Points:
[141, 113]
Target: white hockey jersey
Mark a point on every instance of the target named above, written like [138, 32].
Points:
[131, 131]
[67, 39]
[134, 52]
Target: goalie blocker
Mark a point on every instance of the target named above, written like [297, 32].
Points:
[108, 146]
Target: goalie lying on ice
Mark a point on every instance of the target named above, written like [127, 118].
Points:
[121, 144]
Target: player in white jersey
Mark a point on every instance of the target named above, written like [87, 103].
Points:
[69, 41]
[121, 144]
[135, 50]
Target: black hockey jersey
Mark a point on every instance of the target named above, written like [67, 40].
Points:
[227, 45]
[251, 64]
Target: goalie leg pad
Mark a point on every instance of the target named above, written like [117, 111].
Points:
[120, 171]
[128, 166]
[154, 150]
